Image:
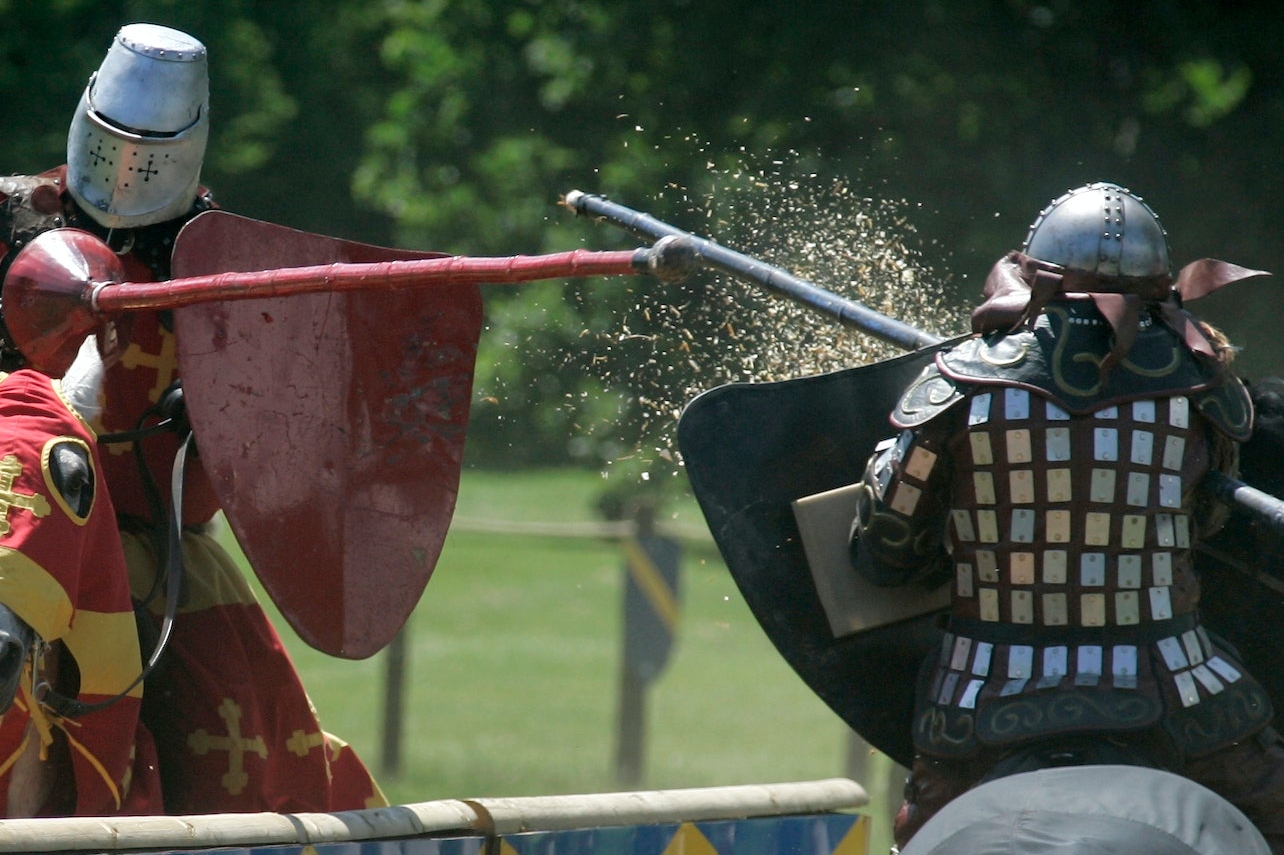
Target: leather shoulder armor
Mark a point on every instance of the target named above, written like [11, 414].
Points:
[1229, 407]
[1061, 358]
[931, 394]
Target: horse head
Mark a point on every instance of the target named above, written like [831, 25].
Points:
[69, 631]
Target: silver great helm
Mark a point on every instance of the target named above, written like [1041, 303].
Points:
[138, 138]
[1103, 230]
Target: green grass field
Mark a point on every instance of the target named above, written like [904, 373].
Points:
[513, 672]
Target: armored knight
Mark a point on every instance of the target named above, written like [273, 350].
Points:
[134, 154]
[1049, 469]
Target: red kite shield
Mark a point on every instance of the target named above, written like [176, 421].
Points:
[332, 426]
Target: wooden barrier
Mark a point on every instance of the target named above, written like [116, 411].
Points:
[486, 817]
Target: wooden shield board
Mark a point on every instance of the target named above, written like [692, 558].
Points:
[332, 426]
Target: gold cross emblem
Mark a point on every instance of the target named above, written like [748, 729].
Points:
[165, 363]
[301, 743]
[202, 742]
[10, 469]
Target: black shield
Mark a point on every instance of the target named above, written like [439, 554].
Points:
[750, 451]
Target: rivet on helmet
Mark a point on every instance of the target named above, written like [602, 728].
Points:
[1102, 229]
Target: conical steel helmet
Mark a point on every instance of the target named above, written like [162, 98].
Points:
[1100, 229]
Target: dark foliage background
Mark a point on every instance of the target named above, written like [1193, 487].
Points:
[457, 125]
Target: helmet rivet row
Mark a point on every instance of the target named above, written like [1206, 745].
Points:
[1100, 229]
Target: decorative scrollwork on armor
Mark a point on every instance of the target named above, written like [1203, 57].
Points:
[1229, 716]
[927, 397]
[994, 354]
[946, 732]
[1063, 355]
[1229, 408]
[1170, 368]
[1064, 386]
[1005, 722]
[894, 534]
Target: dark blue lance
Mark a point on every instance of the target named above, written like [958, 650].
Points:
[850, 313]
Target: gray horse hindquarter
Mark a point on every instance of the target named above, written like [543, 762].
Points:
[1089, 810]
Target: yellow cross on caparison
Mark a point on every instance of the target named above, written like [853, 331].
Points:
[237, 746]
[164, 363]
[11, 468]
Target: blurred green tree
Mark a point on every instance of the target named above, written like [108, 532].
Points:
[457, 125]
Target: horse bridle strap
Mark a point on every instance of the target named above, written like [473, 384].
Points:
[71, 707]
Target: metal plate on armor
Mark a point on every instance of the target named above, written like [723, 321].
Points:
[1054, 566]
[1207, 679]
[1101, 488]
[989, 603]
[1018, 446]
[1143, 444]
[1123, 665]
[1022, 607]
[1134, 532]
[1021, 487]
[1058, 527]
[1092, 570]
[1194, 649]
[1054, 609]
[1186, 690]
[1097, 529]
[1161, 568]
[983, 487]
[1022, 568]
[1059, 485]
[1127, 608]
[1016, 404]
[1092, 609]
[982, 450]
[1129, 571]
[1161, 607]
[920, 463]
[1020, 661]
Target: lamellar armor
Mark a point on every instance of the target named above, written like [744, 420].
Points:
[1064, 503]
